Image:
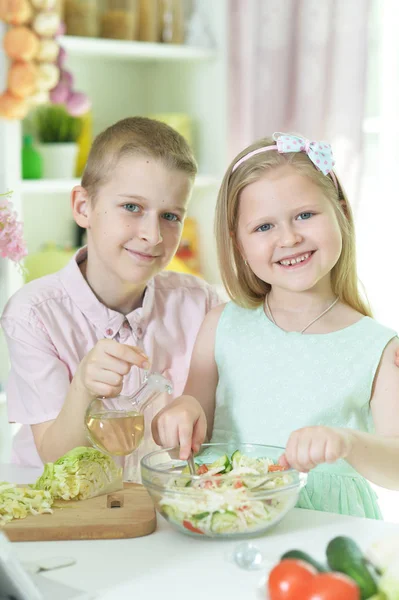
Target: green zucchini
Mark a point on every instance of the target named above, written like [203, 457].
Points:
[299, 555]
[345, 556]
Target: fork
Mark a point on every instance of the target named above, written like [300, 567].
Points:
[262, 483]
[191, 464]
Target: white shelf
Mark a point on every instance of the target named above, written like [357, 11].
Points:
[48, 186]
[64, 186]
[126, 78]
[138, 51]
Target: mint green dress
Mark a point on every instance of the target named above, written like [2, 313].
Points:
[272, 382]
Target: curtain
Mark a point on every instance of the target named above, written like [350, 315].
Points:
[378, 214]
[300, 66]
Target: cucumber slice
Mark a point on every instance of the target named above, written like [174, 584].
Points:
[183, 480]
[224, 522]
[221, 463]
[200, 516]
[236, 458]
[172, 513]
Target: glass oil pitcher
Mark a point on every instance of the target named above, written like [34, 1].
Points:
[116, 425]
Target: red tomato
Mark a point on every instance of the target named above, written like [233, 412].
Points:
[191, 527]
[290, 580]
[330, 586]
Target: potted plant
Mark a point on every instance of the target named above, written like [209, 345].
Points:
[57, 132]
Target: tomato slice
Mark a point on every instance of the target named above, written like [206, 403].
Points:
[290, 580]
[330, 586]
[276, 468]
[202, 469]
[191, 527]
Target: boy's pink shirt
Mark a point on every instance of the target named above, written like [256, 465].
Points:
[53, 322]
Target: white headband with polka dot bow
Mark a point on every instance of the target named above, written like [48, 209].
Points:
[320, 153]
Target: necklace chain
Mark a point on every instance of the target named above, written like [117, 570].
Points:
[311, 322]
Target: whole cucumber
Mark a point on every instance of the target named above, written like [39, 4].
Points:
[345, 556]
[299, 555]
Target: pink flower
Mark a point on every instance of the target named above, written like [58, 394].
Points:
[12, 243]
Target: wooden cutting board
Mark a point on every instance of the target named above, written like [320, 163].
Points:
[128, 513]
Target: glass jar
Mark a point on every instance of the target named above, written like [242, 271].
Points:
[116, 425]
[119, 20]
[149, 20]
[172, 22]
[81, 18]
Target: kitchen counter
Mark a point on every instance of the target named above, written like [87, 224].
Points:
[169, 565]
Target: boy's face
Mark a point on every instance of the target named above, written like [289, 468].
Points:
[135, 224]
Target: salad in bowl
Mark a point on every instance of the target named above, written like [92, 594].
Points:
[238, 490]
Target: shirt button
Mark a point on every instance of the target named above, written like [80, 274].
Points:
[139, 332]
[109, 331]
[126, 324]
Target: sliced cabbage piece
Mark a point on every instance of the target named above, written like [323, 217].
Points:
[19, 502]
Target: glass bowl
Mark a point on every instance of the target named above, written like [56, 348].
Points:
[238, 494]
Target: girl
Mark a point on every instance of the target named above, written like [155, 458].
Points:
[76, 334]
[296, 350]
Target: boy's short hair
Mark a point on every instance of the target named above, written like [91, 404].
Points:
[136, 136]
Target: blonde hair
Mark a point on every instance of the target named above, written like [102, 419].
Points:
[136, 136]
[242, 285]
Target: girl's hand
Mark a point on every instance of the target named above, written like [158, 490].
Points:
[181, 423]
[312, 446]
[102, 370]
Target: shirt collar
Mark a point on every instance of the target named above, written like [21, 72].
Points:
[108, 321]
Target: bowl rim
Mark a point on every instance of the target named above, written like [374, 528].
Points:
[298, 483]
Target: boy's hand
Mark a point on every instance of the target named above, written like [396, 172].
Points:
[312, 446]
[181, 423]
[102, 370]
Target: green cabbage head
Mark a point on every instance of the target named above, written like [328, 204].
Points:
[81, 473]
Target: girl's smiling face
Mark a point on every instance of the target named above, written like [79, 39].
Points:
[135, 223]
[288, 231]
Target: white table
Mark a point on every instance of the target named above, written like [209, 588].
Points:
[169, 565]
